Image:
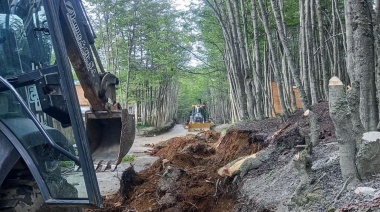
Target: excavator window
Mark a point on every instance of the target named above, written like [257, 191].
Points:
[26, 41]
[27, 58]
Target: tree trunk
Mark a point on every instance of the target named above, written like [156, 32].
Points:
[237, 63]
[314, 128]
[364, 61]
[232, 56]
[302, 51]
[284, 42]
[377, 45]
[258, 69]
[352, 93]
[325, 72]
[309, 52]
[335, 42]
[264, 17]
[341, 116]
[354, 102]
[247, 71]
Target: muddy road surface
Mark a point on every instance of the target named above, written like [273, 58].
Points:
[109, 182]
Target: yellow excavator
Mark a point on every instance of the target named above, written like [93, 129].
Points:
[199, 120]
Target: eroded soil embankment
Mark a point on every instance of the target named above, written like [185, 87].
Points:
[185, 176]
[188, 180]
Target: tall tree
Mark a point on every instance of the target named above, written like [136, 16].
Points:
[142, 40]
[295, 72]
[258, 76]
[322, 48]
[227, 20]
[364, 65]
[275, 61]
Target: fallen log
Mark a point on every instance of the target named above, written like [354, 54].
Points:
[244, 164]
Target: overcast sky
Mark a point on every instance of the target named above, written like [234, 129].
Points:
[182, 4]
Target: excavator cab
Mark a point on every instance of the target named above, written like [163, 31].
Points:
[43, 137]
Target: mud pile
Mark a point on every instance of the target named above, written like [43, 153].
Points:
[183, 179]
[185, 176]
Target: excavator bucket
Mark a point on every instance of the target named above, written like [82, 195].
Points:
[199, 126]
[111, 135]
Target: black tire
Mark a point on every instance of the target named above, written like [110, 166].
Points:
[23, 195]
[20, 197]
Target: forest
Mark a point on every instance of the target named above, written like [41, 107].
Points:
[252, 60]
[234, 55]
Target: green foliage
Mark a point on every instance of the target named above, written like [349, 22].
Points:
[141, 36]
[142, 126]
[192, 88]
[128, 158]
[66, 164]
[156, 43]
[291, 9]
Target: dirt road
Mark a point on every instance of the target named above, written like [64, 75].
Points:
[109, 182]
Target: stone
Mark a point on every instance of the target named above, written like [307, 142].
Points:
[168, 200]
[365, 191]
[368, 155]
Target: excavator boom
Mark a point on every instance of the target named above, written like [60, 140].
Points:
[110, 129]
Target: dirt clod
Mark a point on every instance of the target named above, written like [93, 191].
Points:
[129, 179]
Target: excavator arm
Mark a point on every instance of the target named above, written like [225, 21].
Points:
[38, 104]
[76, 32]
[110, 129]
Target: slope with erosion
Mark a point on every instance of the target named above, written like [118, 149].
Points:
[185, 177]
